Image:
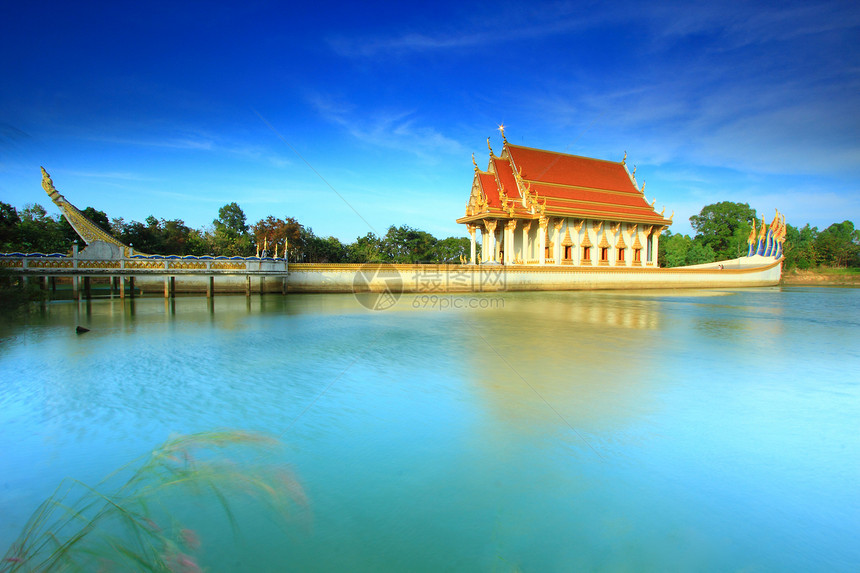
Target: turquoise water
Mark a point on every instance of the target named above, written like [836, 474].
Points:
[698, 430]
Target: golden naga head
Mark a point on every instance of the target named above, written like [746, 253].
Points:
[48, 186]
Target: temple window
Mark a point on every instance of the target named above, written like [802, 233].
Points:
[604, 254]
[568, 252]
[621, 255]
[637, 255]
[586, 253]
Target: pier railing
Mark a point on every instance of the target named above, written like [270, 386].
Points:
[59, 264]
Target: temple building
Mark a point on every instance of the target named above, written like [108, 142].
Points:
[536, 207]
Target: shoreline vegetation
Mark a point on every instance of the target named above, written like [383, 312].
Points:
[722, 232]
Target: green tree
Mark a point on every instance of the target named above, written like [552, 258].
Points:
[272, 231]
[799, 247]
[231, 221]
[100, 218]
[839, 245]
[231, 237]
[680, 250]
[725, 227]
[699, 254]
[674, 250]
[9, 222]
[322, 250]
[407, 245]
[450, 250]
[366, 249]
[42, 233]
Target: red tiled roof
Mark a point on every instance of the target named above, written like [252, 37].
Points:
[561, 169]
[568, 186]
[490, 189]
[506, 177]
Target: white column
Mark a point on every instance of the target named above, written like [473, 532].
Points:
[510, 249]
[526, 251]
[485, 249]
[474, 249]
[542, 225]
[491, 251]
[654, 250]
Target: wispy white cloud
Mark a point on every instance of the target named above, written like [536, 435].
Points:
[392, 129]
[200, 141]
[499, 25]
[111, 175]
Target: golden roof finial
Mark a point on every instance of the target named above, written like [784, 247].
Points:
[502, 131]
[624, 160]
[488, 147]
[643, 188]
[474, 162]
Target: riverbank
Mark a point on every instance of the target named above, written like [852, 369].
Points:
[821, 277]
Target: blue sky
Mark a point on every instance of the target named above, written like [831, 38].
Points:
[177, 108]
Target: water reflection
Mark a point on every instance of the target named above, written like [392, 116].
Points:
[566, 359]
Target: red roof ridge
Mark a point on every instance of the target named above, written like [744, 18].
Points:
[566, 154]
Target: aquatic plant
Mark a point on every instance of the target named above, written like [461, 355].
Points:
[138, 525]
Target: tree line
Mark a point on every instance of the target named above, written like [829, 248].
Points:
[33, 230]
[723, 229]
[721, 232]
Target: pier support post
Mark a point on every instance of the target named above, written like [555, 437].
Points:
[262, 285]
[210, 287]
[169, 287]
[121, 288]
[131, 287]
[87, 288]
[248, 285]
[76, 287]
